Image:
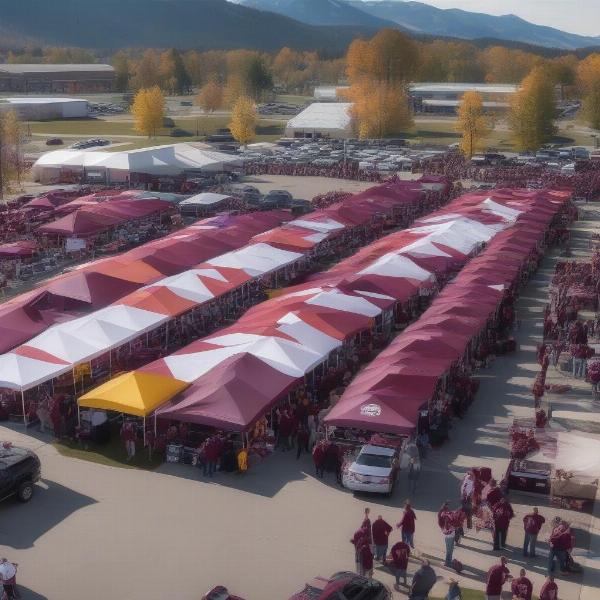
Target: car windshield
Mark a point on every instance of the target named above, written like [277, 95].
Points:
[374, 460]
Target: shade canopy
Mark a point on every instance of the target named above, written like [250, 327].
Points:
[133, 393]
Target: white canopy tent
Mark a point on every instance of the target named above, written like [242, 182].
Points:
[172, 159]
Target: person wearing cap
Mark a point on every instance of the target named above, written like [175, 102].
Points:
[8, 573]
[521, 587]
[497, 576]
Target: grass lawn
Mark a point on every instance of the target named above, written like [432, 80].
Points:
[268, 129]
[292, 99]
[111, 454]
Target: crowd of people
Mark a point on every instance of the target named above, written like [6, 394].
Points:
[371, 545]
[347, 170]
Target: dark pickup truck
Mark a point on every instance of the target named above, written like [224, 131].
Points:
[19, 471]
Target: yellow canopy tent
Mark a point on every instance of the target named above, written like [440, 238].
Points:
[135, 393]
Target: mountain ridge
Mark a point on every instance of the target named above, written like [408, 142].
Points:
[423, 19]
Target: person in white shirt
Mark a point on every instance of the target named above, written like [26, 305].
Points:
[8, 572]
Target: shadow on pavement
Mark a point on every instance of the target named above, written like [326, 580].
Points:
[23, 524]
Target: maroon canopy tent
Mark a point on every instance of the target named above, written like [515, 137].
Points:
[232, 396]
[20, 249]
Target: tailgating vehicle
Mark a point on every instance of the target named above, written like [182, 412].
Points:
[344, 586]
[375, 469]
[20, 469]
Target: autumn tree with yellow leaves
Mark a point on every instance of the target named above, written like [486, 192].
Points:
[210, 97]
[379, 70]
[532, 110]
[11, 152]
[244, 119]
[472, 123]
[588, 75]
[380, 109]
[148, 110]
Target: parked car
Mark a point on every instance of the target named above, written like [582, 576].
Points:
[375, 469]
[344, 586]
[20, 469]
[54, 142]
[219, 593]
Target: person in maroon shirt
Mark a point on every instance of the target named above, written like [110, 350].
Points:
[493, 494]
[358, 539]
[400, 553]
[549, 590]
[318, 455]
[285, 430]
[381, 530]
[444, 515]
[496, 578]
[408, 525]
[532, 523]
[503, 513]
[522, 587]
[560, 544]
[366, 560]
[366, 524]
[301, 440]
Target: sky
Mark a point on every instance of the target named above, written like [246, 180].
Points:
[575, 16]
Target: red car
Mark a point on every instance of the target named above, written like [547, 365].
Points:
[219, 593]
[344, 586]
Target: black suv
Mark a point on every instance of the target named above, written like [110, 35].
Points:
[19, 470]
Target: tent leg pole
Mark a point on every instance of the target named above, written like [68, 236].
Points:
[78, 415]
[155, 426]
[74, 383]
[23, 404]
[144, 432]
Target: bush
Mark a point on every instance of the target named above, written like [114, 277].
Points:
[180, 133]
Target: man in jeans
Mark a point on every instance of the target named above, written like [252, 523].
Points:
[400, 553]
[503, 513]
[408, 525]
[381, 530]
[560, 544]
[532, 524]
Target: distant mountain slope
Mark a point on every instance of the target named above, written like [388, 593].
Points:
[426, 19]
[320, 12]
[203, 24]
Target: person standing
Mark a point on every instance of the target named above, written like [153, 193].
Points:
[365, 556]
[449, 539]
[366, 524]
[301, 440]
[560, 544]
[358, 539]
[8, 574]
[549, 590]
[466, 497]
[454, 591]
[497, 576]
[414, 472]
[381, 530]
[503, 513]
[318, 455]
[407, 524]
[400, 553]
[532, 523]
[128, 437]
[285, 430]
[492, 493]
[521, 587]
[422, 582]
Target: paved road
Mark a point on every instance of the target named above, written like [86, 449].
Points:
[99, 532]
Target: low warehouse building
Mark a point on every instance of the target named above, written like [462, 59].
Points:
[56, 79]
[33, 108]
[322, 120]
[118, 167]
